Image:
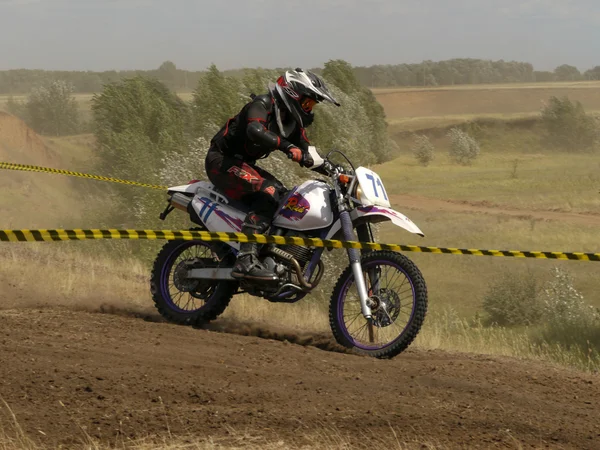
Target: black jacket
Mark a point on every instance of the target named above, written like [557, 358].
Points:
[254, 133]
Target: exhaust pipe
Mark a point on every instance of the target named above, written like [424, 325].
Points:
[180, 201]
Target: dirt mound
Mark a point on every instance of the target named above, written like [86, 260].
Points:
[19, 143]
[34, 200]
[67, 375]
[321, 341]
[228, 326]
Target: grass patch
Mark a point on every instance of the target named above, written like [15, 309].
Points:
[543, 181]
[446, 330]
[13, 438]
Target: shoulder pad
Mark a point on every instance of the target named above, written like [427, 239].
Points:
[266, 101]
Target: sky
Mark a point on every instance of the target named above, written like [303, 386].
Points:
[141, 34]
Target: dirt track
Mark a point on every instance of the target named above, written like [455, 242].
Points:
[117, 377]
[421, 203]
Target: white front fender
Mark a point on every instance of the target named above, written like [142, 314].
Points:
[379, 214]
[397, 218]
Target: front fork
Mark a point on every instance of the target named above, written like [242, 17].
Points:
[354, 257]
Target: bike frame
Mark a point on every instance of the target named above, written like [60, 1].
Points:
[350, 214]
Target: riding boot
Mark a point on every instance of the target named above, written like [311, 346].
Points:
[248, 266]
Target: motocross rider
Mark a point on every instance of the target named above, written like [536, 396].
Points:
[274, 121]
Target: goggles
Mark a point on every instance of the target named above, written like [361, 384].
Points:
[307, 104]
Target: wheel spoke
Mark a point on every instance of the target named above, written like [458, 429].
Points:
[354, 320]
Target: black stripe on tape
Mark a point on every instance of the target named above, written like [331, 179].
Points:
[54, 235]
[20, 236]
[71, 235]
[178, 235]
[37, 235]
[89, 234]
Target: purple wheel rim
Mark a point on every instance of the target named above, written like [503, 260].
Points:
[342, 301]
[165, 275]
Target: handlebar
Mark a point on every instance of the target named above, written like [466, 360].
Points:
[328, 167]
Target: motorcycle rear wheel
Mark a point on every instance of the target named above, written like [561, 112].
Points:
[190, 302]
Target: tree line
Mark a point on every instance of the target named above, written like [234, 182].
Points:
[467, 71]
[427, 73]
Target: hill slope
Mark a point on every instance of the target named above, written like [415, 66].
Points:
[63, 370]
[36, 200]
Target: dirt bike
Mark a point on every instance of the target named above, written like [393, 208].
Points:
[380, 300]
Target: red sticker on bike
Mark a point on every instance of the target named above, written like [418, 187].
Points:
[295, 208]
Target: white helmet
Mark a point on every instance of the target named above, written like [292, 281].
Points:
[298, 91]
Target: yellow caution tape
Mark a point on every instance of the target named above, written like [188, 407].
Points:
[80, 235]
[27, 168]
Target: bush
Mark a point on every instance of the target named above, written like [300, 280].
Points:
[143, 110]
[16, 108]
[215, 99]
[568, 319]
[52, 109]
[423, 150]
[138, 123]
[562, 318]
[513, 300]
[563, 303]
[463, 148]
[568, 126]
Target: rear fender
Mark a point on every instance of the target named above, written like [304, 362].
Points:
[202, 188]
[376, 214]
[191, 188]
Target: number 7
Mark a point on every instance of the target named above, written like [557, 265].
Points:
[382, 188]
[372, 178]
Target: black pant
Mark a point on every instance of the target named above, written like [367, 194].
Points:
[244, 181]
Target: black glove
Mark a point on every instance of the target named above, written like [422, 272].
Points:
[324, 169]
[307, 160]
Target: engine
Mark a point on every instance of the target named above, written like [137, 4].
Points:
[301, 254]
[290, 263]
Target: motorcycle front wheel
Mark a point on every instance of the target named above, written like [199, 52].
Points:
[399, 294]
